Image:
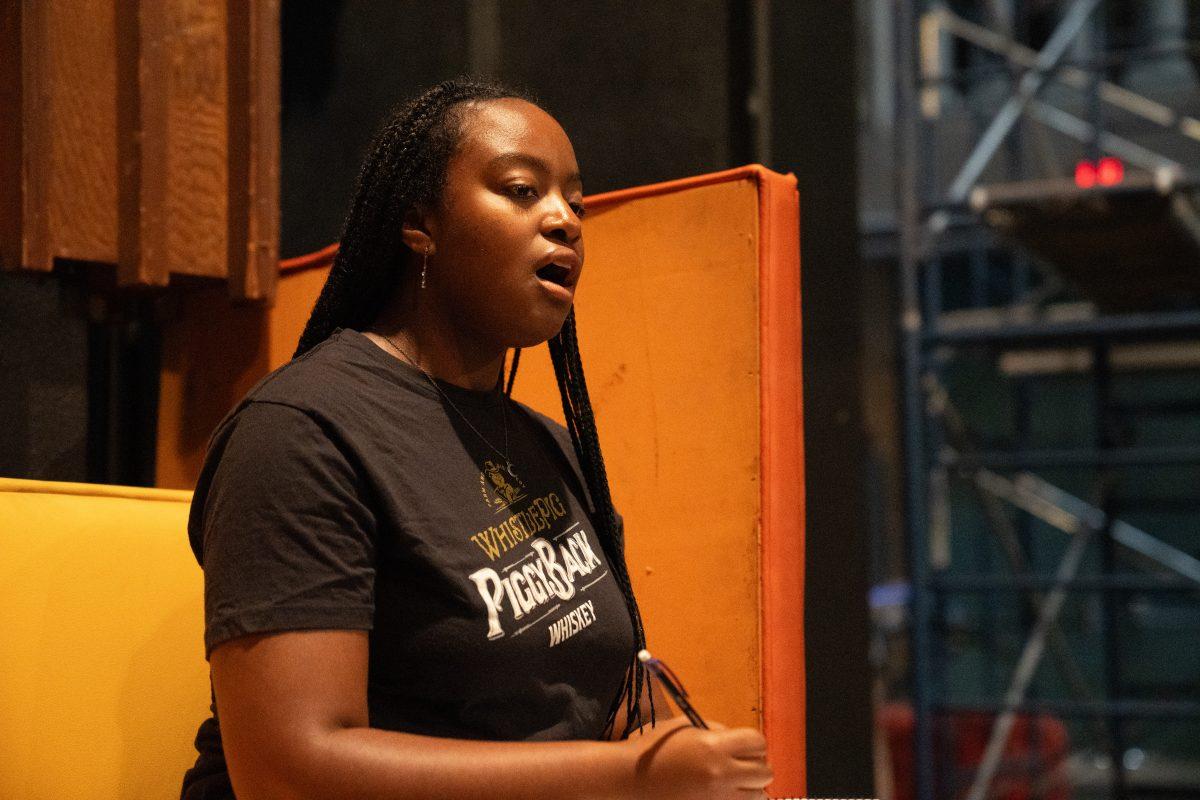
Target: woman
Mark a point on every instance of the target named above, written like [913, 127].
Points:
[415, 586]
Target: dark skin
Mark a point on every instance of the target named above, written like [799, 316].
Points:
[293, 704]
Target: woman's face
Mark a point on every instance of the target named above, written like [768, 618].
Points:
[511, 206]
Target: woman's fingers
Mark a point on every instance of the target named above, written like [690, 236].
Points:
[752, 773]
[743, 743]
[678, 761]
[747, 749]
[757, 778]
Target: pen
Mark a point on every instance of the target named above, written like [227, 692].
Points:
[673, 685]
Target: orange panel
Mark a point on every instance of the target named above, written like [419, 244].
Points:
[213, 353]
[668, 327]
[689, 327]
[783, 522]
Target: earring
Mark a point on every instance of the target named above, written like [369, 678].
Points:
[424, 264]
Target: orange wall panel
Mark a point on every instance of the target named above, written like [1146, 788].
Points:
[668, 331]
[213, 353]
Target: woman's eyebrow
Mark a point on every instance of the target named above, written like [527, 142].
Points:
[525, 159]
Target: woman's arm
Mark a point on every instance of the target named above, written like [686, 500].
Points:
[294, 726]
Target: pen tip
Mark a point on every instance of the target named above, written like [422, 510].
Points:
[644, 656]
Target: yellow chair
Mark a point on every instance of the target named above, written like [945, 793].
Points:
[102, 673]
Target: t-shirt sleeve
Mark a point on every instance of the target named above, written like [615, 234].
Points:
[288, 541]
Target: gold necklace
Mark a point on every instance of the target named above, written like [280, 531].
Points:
[508, 467]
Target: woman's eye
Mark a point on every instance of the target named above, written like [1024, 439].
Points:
[526, 192]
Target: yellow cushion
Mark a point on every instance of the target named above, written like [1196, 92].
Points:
[102, 673]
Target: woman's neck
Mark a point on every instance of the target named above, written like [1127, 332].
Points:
[444, 350]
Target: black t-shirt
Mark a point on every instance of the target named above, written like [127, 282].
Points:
[346, 492]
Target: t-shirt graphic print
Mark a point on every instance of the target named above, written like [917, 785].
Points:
[543, 578]
[346, 491]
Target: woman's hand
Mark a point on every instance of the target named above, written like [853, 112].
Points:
[675, 761]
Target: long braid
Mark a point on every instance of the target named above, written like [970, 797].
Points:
[512, 372]
[581, 423]
[406, 166]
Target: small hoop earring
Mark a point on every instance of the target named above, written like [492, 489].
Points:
[424, 264]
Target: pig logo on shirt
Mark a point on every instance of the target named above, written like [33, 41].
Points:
[500, 487]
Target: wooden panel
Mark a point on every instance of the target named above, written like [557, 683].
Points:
[132, 216]
[11, 142]
[177, 71]
[70, 203]
[253, 53]
[197, 149]
[208, 169]
[148, 139]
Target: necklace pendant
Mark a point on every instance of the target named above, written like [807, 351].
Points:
[509, 469]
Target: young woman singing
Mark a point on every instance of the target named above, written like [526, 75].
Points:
[415, 587]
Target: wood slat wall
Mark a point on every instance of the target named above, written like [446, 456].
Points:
[148, 139]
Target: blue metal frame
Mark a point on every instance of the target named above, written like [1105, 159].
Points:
[919, 210]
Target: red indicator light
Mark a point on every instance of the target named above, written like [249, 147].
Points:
[1110, 171]
[1085, 174]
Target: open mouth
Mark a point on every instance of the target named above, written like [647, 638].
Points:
[554, 273]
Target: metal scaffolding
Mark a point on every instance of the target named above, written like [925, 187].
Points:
[939, 446]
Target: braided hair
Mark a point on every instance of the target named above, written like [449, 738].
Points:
[406, 166]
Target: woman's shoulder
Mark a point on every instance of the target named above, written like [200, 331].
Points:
[337, 379]
[320, 383]
[319, 375]
[544, 422]
[554, 434]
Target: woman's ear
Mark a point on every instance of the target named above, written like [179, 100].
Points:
[415, 232]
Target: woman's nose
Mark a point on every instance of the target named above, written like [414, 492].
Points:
[563, 223]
